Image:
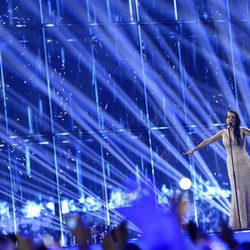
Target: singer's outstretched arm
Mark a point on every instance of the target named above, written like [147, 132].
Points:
[206, 142]
[246, 131]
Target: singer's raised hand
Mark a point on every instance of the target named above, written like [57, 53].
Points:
[189, 153]
[204, 143]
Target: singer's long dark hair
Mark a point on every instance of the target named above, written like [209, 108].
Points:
[237, 134]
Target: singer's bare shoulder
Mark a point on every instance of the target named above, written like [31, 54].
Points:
[219, 134]
[216, 137]
[245, 131]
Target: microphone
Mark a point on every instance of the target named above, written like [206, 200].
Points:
[229, 125]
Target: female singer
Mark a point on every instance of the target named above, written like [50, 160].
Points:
[238, 166]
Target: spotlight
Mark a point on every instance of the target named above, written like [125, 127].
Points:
[31, 209]
[185, 183]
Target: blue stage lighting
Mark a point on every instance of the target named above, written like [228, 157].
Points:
[99, 101]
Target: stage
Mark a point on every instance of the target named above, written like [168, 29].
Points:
[103, 102]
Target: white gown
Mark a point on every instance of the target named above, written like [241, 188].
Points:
[242, 182]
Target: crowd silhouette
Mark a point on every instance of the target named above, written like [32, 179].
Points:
[161, 230]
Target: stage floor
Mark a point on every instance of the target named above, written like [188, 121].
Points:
[242, 236]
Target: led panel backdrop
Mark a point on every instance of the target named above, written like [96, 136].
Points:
[99, 100]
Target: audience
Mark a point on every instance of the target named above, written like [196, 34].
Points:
[161, 231]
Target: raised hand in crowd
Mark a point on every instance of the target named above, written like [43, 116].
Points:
[24, 242]
[227, 236]
[117, 239]
[81, 233]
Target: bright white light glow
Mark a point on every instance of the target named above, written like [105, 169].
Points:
[185, 183]
[32, 210]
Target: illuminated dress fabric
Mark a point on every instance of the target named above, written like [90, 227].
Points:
[242, 173]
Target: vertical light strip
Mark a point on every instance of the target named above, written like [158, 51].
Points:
[232, 55]
[88, 10]
[108, 9]
[27, 160]
[146, 102]
[52, 125]
[40, 104]
[94, 83]
[58, 8]
[13, 199]
[194, 183]
[79, 172]
[137, 11]
[4, 94]
[191, 165]
[105, 187]
[101, 126]
[63, 60]
[137, 176]
[131, 11]
[30, 120]
[182, 80]
[175, 11]
[180, 64]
